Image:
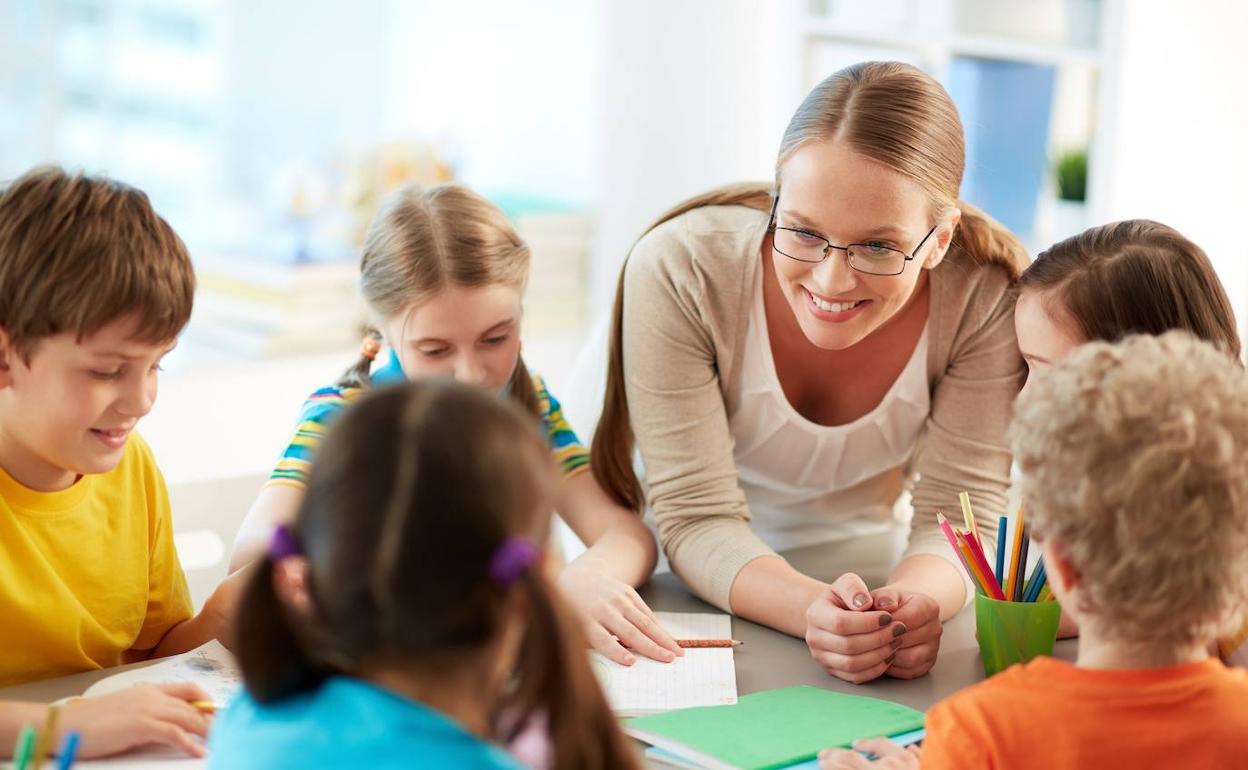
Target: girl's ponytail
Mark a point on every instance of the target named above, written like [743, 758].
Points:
[556, 681]
[270, 654]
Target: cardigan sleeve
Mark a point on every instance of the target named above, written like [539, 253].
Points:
[964, 447]
[679, 418]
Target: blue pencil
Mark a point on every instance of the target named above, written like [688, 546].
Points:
[1038, 578]
[1001, 551]
[69, 750]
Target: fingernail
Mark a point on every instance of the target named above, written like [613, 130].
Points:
[899, 629]
[885, 619]
[860, 601]
[884, 602]
[889, 659]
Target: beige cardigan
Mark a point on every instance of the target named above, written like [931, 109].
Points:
[687, 290]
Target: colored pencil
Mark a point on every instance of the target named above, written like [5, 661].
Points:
[977, 574]
[971, 527]
[1022, 564]
[205, 706]
[992, 588]
[1038, 580]
[695, 643]
[953, 542]
[1046, 593]
[69, 750]
[43, 744]
[1010, 575]
[25, 743]
[1001, 527]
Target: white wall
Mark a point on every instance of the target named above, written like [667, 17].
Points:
[1179, 140]
[697, 93]
[509, 85]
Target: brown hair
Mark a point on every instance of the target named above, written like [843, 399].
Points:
[890, 112]
[78, 252]
[426, 239]
[452, 473]
[1134, 277]
[1132, 457]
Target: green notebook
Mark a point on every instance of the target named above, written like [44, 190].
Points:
[772, 729]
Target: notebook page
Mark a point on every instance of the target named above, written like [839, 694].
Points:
[703, 677]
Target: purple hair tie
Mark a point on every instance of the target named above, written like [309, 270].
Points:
[283, 543]
[512, 559]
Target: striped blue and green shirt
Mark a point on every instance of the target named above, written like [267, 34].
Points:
[326, 403]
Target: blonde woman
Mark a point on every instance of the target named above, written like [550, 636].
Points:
[789, 359]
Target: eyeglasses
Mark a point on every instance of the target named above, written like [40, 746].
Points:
[872, 258]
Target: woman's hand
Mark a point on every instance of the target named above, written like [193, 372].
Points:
[888, 756]
[138, 716]
[615, 617]
[920, 614]
[849, 636]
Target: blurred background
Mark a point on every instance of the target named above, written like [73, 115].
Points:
[266, 131]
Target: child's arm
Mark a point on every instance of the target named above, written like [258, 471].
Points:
[600, 582]
[214, 621]
[276, 504]
[118, 722]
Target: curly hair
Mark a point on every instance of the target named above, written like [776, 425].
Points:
[1135, 462]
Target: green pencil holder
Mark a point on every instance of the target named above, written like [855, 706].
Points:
[1014, 632]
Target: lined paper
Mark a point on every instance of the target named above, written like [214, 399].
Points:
[703, 677]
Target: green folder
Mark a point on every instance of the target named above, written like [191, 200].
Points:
[772, 729]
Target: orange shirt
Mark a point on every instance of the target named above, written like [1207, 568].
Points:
[1051, 714]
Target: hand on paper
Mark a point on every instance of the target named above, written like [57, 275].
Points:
[141, 715]
[615, 617]
[889, 756]
[920, 614]
[850, 637]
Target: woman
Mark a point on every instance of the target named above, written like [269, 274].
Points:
[795, 359]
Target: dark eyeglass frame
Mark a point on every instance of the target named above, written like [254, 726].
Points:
[829, 246]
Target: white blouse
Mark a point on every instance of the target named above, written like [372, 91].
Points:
[808, 483]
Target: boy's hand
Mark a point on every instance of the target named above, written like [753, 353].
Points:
[889, 756]
[921, 616]
[138, 716]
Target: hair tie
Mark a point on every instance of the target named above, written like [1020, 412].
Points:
[370, 347]
[284, 543]
[512, 559]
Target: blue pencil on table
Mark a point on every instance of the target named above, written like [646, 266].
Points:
[1001, 551]
[69, 750]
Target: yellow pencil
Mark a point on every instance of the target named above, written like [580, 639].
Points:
[977, 574]
[205, 706]
[967, 514]
[1016, 551]
[44, 744]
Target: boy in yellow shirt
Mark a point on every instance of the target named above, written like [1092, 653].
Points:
[94, 289]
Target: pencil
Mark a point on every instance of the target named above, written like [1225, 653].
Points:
[977, 575]
[971, 528]
[205, 706]
[953, 542]
[1010, 576]
[1001, 526]
[709, 643]
[1032, 591]
[69, 750]
[1022, 563]
[43, 744]
[25, 742]
[991, 587]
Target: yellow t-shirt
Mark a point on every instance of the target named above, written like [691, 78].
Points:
[88, 572]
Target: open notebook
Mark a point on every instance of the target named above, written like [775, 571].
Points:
[703, 677]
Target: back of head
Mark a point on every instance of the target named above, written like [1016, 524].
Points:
[1135, 277]
[412, 495]
[79, 252]
[1133, 458]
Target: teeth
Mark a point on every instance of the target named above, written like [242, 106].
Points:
[834, 307]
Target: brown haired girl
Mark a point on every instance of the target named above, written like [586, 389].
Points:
[789, 360]
[400, 637]
[443, 273]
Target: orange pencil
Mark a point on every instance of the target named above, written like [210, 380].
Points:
[709, 643]
[1015, 552]
[982, 562]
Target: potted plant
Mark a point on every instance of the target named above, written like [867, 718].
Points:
[1070, 171]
